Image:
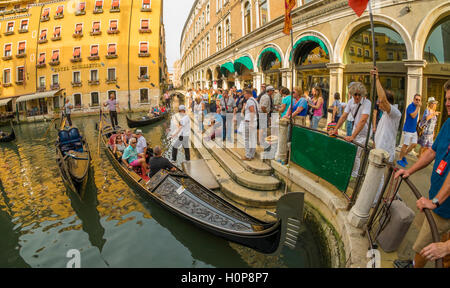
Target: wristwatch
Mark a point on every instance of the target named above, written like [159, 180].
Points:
[435, 201]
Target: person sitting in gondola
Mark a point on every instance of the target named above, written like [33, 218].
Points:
[112, 141]
[157, 162]
[131, 159]
[156, 111]
[163, 109]
[128, 135]
[119, 147]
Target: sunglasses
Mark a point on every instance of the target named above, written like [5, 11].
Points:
[357, 94]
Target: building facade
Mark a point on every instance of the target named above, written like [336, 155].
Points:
[236, 43]
[83, 50]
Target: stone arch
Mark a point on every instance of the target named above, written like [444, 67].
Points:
[352, 27]
[260, 53]
[255, 68]
[425, 26]
[287, 60]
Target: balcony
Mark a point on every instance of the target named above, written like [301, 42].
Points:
[7, 33]
[41, 65]
[146, 9]
[94, 82]
[93, 58]
[111, 81]
[41, 89]
[6, 58]
[79, 13]
[147, 30]
[6, 85]
[21, 55]
[43, 41]
[114, 10]
[75, 60]
[21, 31]
[144, 78]
[54, 63]
[45, 19]
[76, 84]
[113, 31]
[98, 11]
[55, 86]
[19, 82]
[60, 16]
[56, 38]
[112, 56]
[77, 35]
[96, 33]
[144, 54]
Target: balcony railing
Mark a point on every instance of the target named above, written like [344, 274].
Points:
[41, 65]
[6, 58]
[113, 31]
[45, 19]
[7, 33]
[147, 30]
[21, 55]
[114, 10]
[60, 16]
[19, 82]
[143, 78]
[146, 9]
[98, 10]
[55, 87]
[41, 89]
[79, 13]
[96, 33]
[94, 82]
[25, 30]
[77, 35]
[6, 85]
[144, 54]
[111, 81]
[112, 56]
[54, 63]
[75, 60]
[93, 58]
[76, 84]
[56, 38]
[42, 41]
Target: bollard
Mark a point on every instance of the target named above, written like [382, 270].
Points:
[282, 141]
[359, 214]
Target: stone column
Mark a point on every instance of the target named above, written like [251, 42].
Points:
[336, 82]
[414, 79]
[238, 82]
[281, 155]
[359, 214]
[286, 79]
[225, 83]
[257, 81]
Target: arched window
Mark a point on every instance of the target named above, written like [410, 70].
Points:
[219, 38]
[247, 17]
[227, 32]
[207, 46]
[207, 14]
[263, 13]
[437, 47]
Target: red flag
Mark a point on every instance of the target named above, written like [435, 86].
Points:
[289, 5]
[359, 6]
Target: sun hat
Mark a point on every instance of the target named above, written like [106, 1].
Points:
[182, 107]
[268, 88]
[432, 100]
[138, 131]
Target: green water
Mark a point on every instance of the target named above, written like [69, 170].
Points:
[40, 221]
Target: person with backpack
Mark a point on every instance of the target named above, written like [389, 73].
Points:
[337, 108]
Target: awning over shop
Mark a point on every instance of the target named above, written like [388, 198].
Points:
[269, 49]
[227, 67]
[48, 94]
[310, 39]
[4, 102]
[246, 61]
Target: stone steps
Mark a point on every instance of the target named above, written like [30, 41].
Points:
[255, 166]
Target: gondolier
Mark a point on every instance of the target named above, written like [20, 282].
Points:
[68, 110]
[181, 135]
[113, 107]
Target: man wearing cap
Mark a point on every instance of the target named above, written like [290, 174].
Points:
[113, 107]
[226, 106]
[182, 133]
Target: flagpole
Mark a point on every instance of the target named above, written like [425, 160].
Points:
[292, 83]
[373, 99]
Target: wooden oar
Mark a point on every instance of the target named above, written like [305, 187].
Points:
[100, 127]
[48, 129]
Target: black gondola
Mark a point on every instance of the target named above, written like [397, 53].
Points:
[8, 138]
[73, 159]
[145, 120]
[187, 198]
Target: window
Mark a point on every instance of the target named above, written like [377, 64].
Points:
[10, 27]
[207, 14]
[77, 100]
[43, 35]
[46, 13]
[359, 52]
[55, 57]
[20, 74]
[247, 18]
[76, 77]
[112, 50]
[94, 50]
[21, 49]
[82, 7]
[42, 82]
[263, 13]
[98, 6]
[219, 38]
[366, 53]
[227, 33]
[390, 56]
[143, 47]
[143, 72]
[144, 95]
[24, 25]
[218, 5]
[60, 11]
[144, 24]
[42, 58]
[111, 74]
[57, 32]
[79, 29]
[7, 76]
[94, 99]
[146, 4]
[77, 53]
[55, 79]
[94, 75]
[115, 5]
[96, 28]
[113, 25]
[8, 48]
[207, 46]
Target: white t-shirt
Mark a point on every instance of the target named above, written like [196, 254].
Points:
[250, 102]
[141, 145]
[386, 135]
[366, 107]
[186, 123]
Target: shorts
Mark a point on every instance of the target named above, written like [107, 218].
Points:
[426, 141]
[425, 238]
[135, 163]
[410, 138]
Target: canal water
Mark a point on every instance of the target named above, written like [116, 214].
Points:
[40, 220]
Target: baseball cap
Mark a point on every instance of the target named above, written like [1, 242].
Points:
[270, 88]
[432, 100]
[138, 131]
[181, 108]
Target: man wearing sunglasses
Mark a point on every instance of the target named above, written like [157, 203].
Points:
[410, 129]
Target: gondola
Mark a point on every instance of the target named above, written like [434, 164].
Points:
[145, 120]
[73, 159]
[8, 138]
[185, 197]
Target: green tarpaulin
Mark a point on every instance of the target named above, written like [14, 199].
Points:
[267, 50]
[308, 39]
[227, 67]
[329, 158]
[246, 61]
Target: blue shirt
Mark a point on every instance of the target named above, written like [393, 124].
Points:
[302, 103]
[130, 154]
[411, 123]
[254, 94]
[441, 146]
[286, 100]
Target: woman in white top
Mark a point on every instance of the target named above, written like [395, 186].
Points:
[199, 107]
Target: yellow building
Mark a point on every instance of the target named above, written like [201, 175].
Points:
[84, 50]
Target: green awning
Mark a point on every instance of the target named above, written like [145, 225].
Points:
[307, 39]
[267, 50]
[246, 61]
[227, 67]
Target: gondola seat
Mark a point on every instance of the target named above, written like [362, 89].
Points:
[70, 140]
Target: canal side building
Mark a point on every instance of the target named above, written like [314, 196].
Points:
[238, 43]
[83, 50]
